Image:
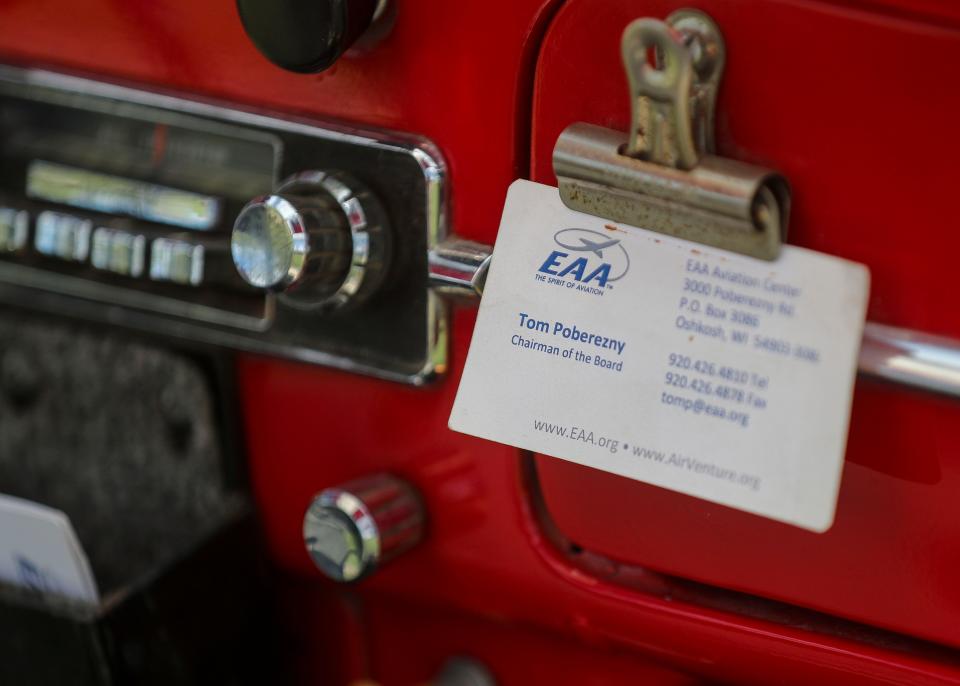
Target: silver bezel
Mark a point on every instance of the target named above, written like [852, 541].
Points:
[87, 298]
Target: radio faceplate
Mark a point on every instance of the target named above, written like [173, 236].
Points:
[117, 205]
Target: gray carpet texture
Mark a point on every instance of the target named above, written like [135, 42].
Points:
[118, 434]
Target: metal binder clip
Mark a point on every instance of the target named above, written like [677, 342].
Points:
[662, 174]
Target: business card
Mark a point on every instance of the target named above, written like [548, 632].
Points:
[39, 551]
[695, 369]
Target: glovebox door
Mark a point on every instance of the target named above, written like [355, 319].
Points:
[858, 109]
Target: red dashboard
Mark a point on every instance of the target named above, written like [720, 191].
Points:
[545, 571]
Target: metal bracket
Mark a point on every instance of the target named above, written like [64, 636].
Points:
[458, 268]
[662, 175]
[672, 102]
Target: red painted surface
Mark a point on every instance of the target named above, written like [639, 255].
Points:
[485, 554]
[814, 91]
[511, 653]
[461, 74]
[394, 641]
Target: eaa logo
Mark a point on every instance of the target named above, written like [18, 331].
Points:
[589, 257]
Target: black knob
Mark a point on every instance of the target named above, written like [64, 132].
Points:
[305, 35]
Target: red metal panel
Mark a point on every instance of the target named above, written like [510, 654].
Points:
[855, 109]
[406, 648]
[391, 641]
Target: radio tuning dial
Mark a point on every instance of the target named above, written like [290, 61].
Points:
[320, 240]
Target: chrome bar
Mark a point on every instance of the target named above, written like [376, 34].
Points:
[911, 358]
[458, 267]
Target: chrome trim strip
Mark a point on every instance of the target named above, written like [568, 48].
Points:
[200, 106]
[911, 358]
[438, 311]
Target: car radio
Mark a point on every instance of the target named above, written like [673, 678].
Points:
[224, 226]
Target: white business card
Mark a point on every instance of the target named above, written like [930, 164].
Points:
[39, 551]
[692, 368]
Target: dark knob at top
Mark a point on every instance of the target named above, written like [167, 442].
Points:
[305, 35]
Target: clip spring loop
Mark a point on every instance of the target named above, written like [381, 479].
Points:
[672, 101]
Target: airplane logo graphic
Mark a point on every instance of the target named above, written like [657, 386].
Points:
[599, 244]
[596, 248]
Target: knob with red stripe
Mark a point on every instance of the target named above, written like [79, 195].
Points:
[352, 529]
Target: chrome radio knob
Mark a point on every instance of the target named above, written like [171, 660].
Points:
[352, 529]
[320, 239]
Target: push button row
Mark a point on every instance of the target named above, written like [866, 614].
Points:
[118, 252]
[67, 237]
[176, 261]
[63, 235]
[14, 225]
